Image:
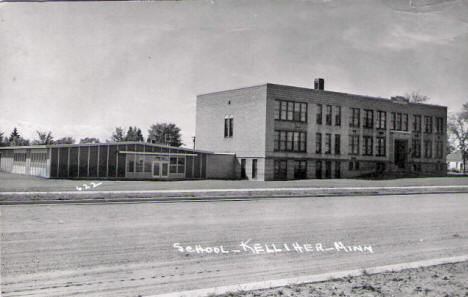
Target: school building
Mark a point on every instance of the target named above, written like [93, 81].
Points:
[126, 160]
[280, 132]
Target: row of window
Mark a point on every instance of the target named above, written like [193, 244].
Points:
[297, 111]
[367, 145]
[19, 157]
[416, 149]
[293, 141]
[300, 169]
[290, 141]
[328, 143]
[145, 163]
[290, 111]
[328, 115]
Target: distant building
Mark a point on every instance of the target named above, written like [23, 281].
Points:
[282, 132]
[455, 161]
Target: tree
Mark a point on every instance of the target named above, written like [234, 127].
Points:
[65, 140]
[2, 141]
[416, 97]
[458, 129]
[134, 134]
[44, 138]
[118, 135]
[16, 139]
[89, 140]
[165, 133]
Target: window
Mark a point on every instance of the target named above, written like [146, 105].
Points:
[139, 164]
[328, 116]
[354, 144]
[228, 126]
[319, 114]
[439, 125]
[328, 169]
[417, 123]
[355, 118]
[131, 164]
[290, 111]
[368, 118]
[281, 169]
[337, 144]
[290, 141]
[381, 120]
[367, 145]
[405, 122]
[318, 169]
[416, 148]
[350, 165]
[300, 169]
[318, 143]
[381, 146]
[398, 121]
[177, 165]
[428, 124]
[328, 143]
[428, 149]
[254, 168]
[337, 115]
[337, 169]
[243, 171]
[439, 149]
[148, 163]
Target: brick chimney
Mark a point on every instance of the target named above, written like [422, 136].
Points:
[319, 84]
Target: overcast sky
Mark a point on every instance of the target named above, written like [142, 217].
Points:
[80, 69]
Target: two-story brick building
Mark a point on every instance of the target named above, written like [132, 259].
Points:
[285, 132]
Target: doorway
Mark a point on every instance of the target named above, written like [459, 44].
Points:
[243, 171]
[160, 167]
[401, 153]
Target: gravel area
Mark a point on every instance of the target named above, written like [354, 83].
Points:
[447, 280]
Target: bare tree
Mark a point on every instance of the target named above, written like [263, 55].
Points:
[416, 97]
[458, 130]
[44, 138]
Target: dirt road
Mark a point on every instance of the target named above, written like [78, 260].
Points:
[128, 249]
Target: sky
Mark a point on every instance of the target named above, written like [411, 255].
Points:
[81, 69]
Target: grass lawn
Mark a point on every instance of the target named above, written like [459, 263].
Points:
[17, 183]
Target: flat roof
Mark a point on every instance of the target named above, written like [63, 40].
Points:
[388, 100]
[105, 143]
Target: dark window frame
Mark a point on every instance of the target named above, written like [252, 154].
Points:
[319, 114]
[368, 119]
[290, 111]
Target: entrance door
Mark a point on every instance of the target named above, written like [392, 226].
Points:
[160, 168]
[243, 172]
[281, 169]
[401, 153]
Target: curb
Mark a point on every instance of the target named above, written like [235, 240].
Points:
[313, 278]
[7, 198]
